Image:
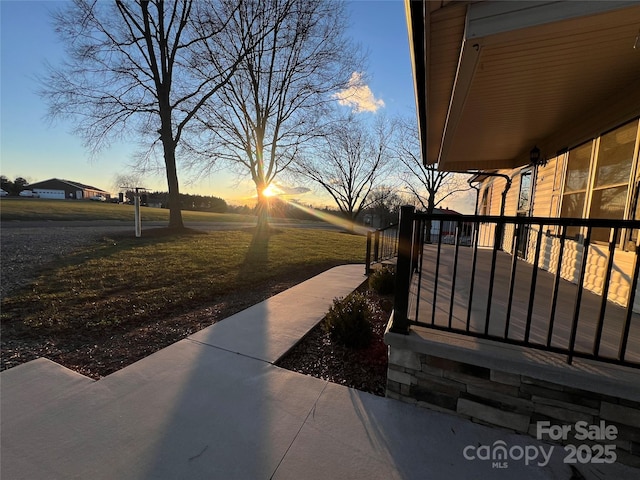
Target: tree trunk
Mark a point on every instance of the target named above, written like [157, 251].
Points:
[352, 221]
[175, 210]
[262, 209]
[431, 205]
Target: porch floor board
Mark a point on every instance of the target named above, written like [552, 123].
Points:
[442, 314]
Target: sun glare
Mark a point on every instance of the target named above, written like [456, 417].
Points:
[274, 191]
[271, 191]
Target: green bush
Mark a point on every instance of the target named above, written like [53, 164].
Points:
[349, 321]
[383, 281]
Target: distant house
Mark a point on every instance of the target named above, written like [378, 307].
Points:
[61, 189]
[448, 228]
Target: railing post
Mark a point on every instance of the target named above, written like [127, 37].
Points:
[415, 252]
[367, 261]
[624, 339]
[578, 300]
[400, 323]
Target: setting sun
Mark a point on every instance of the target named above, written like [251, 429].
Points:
[271, 191]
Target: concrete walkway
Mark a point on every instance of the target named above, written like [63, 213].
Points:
[213, 406]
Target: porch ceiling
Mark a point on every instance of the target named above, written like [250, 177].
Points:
[493, 79]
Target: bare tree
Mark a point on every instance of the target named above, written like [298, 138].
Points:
[429, 186]
[277, 100]
[134, 71]
[384, 203]
[349, 163]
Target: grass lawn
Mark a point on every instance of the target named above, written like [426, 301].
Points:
[44, 209]
[122, 287]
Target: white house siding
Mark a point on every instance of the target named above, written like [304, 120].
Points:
[486, 234]
[597, 259]
[496, 195]
[510, 208]
[494, 187]
[546, 197]
[511, 203]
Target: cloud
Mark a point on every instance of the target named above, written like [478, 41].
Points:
[358, 96]
[289, 190]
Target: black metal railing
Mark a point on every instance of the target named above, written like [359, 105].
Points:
[563, 285]
[382, 244]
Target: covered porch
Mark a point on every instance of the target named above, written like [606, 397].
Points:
[524, 281]
[515, 339]
[531, 317]
[515, 310]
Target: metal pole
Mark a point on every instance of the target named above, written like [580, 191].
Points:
[136, 209]
[576, 310]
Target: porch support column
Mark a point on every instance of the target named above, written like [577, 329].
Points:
[400, 322]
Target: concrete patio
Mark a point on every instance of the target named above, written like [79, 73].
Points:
[214, 406]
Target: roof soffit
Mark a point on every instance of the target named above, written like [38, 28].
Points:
[521, 74]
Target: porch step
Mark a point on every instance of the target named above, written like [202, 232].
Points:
[603, 378]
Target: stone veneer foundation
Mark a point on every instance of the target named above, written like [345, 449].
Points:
[514, 387]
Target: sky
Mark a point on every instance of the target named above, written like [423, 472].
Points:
[33, 148]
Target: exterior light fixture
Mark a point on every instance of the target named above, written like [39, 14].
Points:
[535, 158]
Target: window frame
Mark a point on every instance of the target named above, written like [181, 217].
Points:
[632, 205]
[526, 172]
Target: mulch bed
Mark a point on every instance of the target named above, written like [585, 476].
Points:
[364, 369]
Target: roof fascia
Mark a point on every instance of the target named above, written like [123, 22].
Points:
[491, 18]
[417, 15]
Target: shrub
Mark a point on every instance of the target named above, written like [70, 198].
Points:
[349, 321]
[383, 281]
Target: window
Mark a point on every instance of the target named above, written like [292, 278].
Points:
[575, 186]
[524, 199]
[576, 181]
[597, 179]
[485, 206]
[611, 176]
[615, 157]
